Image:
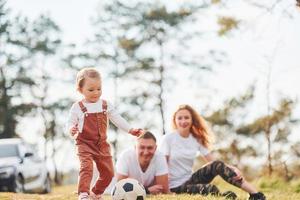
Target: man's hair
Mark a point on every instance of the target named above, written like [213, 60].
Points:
[148, 135]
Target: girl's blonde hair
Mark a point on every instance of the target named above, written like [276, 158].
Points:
[84, 73]
[199, 128]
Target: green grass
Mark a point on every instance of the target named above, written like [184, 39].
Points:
[275, 189]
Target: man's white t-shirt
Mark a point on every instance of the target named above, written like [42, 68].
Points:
[182, 152]
[128, 165]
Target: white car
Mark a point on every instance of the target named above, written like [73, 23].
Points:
[21, 170]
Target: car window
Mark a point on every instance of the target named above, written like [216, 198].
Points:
[8, 150]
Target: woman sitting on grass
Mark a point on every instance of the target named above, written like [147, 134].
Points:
[180, 148]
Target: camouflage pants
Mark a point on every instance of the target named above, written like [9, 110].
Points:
[199, 182]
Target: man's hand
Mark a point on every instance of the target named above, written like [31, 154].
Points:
[136, 132]
[156, 189]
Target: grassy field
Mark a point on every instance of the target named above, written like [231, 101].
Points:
[273, 188]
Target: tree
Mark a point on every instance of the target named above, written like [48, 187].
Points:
[270, 11]
[21, 41]
[54, 134]
[139, 35]
[26, 60]
[52, 113]
[238, 138]
[276, 127]
[274, 8]
[224, 123]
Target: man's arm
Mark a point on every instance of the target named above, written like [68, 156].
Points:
[163, 180]
[160, 185]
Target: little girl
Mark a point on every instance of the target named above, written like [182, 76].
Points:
[88, 123]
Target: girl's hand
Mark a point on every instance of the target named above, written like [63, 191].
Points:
[136, 132]
[74, 130]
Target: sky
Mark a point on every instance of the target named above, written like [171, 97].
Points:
[247, 50]
[71, 15]
[262, 40]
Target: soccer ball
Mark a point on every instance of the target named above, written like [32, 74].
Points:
[128, 189]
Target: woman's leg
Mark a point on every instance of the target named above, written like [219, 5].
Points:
[208, 172]
[203, 189]
[246, 186]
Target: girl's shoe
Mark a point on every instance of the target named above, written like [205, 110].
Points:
[83, 196]
[94, 196]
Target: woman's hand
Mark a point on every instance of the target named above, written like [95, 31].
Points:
[209, 157]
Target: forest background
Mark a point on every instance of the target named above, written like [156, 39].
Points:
[235, 62]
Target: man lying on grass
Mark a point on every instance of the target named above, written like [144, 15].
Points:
[149, 166]
[145, 164]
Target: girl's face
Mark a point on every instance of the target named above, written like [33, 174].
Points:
[91, 89]
[183, 120]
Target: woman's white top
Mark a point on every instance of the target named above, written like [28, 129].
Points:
[182, 152]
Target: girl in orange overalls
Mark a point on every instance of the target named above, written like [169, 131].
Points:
[88, 122]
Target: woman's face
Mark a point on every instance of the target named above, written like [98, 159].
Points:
[183, 120]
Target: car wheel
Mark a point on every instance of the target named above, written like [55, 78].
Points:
[18, 186]
[47, 185]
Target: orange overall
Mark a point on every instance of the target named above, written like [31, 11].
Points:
[92, 146]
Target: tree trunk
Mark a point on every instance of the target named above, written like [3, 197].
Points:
[8, 122]
[270, 167]
[57, 175]
[161, 87]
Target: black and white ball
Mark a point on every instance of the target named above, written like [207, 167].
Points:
[128, 189]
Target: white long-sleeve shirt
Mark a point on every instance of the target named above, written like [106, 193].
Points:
[76, 116]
